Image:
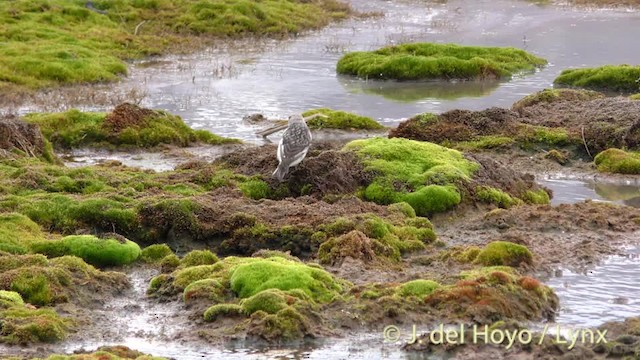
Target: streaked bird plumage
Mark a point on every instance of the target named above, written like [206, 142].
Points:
[293, 146]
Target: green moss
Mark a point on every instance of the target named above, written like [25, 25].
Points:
[540, 197]
[408, 162]
[287, 324]
[198, 257]
[422, 61]
[186, 276]
[340, 120]
[100, 252]
[10, 298]
[339, 226]
[618, 78]
[221, 310]
[403, 208]
[155, 253]
[22, 325]
[618, 161]
[255, 189]
[74, 129]
[419, 288]
[17, 232]
[169, 263]
[276, 273]
[486, 142]
[496, 196]
[209, 289]
[62, 42]
[504, 253]
[634, 97]
[270, 301]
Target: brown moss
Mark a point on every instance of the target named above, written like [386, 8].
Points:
[354, 245]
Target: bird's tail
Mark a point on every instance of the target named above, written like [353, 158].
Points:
[281, 172]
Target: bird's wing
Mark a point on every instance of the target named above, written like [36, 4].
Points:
[295, 141]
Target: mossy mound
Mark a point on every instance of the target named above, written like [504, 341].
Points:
[198, 257]
[340, 120]
[18, 138]
[67, 42]
[634, 97]
[555, 95]
[502, 253]
[492, 128]
[106, 353]
[127, 125]
[109, 251]
[613, 78]
[252, 277]
[371, 239]
[497, 197]
[22, 324]
[17, 233]
[278, 295]
[419, 288]
[492, 294]
[41, 281]
[155, 253]
[427, 61]
[618, 161]
[422, 174]
[246, 277]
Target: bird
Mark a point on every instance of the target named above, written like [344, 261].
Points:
[293, 146]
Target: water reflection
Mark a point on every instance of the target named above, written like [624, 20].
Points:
[411, 91]
[569, 191]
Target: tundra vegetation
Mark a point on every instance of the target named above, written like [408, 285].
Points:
[59, 42]
[430, 61]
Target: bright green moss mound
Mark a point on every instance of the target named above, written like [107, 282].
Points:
[537, 197]
[9, 298]
[340, 120]
[53, 42]
[198, 257]
[155, 253]
[422, 174]
[496, 196]
[74, 129]
[95, 251]
[426, 61]
[635, 97]
[502, 253]
[17, 232]
[419, 288]
[618, 161]
[277, 273]
[222, 310]
[618, 78]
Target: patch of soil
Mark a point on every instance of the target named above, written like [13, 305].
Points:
[324, 171]
[126, 115]
[16, 134]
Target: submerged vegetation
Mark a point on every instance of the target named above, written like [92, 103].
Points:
[612, 78]
[128, 125]
[46, 43]
[427, 61]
